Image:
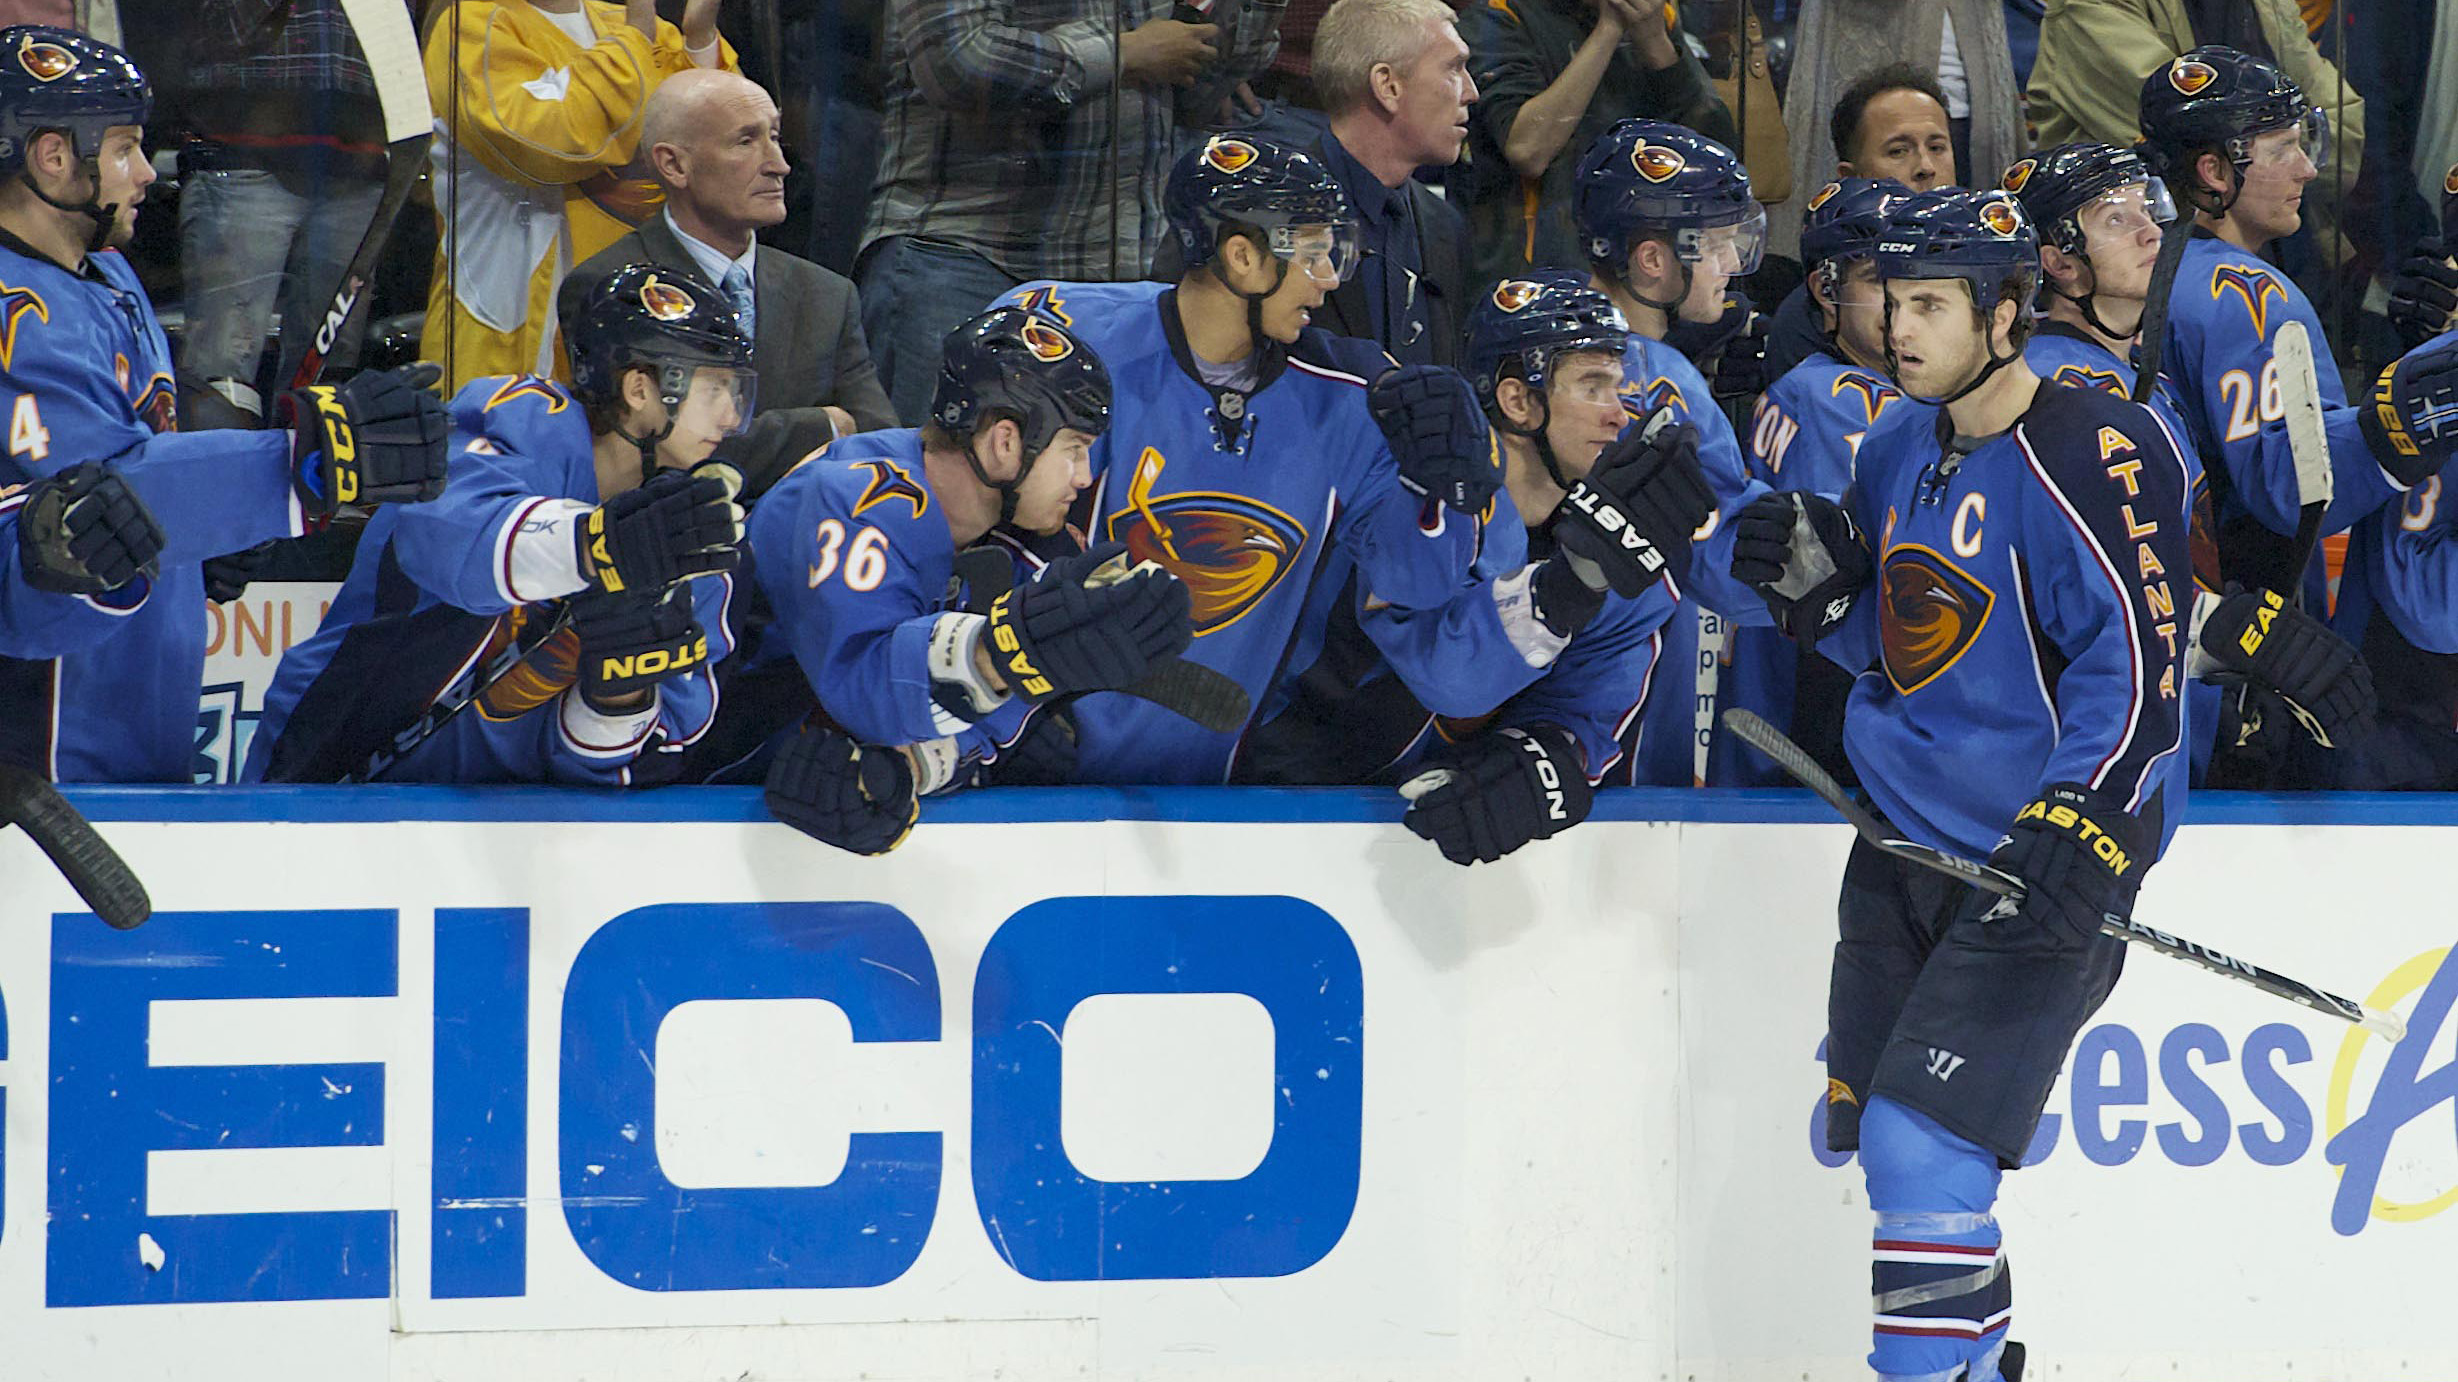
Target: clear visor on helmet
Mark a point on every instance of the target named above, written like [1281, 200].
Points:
[2122, 213]
[1734, 249]
[716, 398]
[2275, 151]
[1852, 280]
[1327, 253]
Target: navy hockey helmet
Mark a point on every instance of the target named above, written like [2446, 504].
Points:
[59, 79]
[1982, 238]
[645, 316]
[2057, 184]
[1649, 178]
[1844, 218]
[1232, 184]
[1013, 363]
[1521, 328]
[2218, 100]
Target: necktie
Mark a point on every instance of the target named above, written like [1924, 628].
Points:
[737, 288]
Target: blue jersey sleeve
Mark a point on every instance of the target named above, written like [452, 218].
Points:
[2409, 557]
[2106, 549]
[1596, 687]
[1657, 377]
[1414, 552]
[521, 478]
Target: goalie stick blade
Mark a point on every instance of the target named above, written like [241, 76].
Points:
[1195, 691]
[89, 864]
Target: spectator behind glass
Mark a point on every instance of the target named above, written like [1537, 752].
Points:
[538, 167]
[999, 162]
[99, 18]
[1554, 76]
[281, 172]
[712, 139]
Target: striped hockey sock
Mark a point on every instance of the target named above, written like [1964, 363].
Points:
[1941, 1294]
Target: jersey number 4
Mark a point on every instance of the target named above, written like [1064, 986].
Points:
[27, 435]
[2236, 388]
[865, 559]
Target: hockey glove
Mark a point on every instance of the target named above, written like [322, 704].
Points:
[672, 528]
[1627, 522]
[2080, 855]
[1499, 791]
[857, 797]
[84, 532]
[1090, 622]
[1042, 756]
[1446, 449]
[2411, 418]
[377, 438]
[227, 576]
[631, 642]
[2255, 637]
[2424, 295]
[1741, 368]
[1805, 557]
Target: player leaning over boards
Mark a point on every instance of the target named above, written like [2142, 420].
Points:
[110, 694]
[856, 552]
[539, 622]
[2028, 549]
[2237, 142]
[1248, 455]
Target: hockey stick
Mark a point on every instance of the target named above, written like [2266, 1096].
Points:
[2151, 335]
[391, 49]
[2291, 352]
[1789, 756]
[89, 864]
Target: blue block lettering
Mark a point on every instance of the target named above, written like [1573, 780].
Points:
[2201, 1102]
[2277, 1095]
[2094, 1092]
[480, 1221]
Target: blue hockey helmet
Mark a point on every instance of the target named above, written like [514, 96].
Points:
[2215, 99]
[1233, 183]
[1982, 238]
[1520, 328]
[1646, 178]
[1843, 219]
[59, 79]
[1013, 363]
[664, 321]
[2057, 185]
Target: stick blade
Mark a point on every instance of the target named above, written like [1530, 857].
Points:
[1199, 693]
[90, 865]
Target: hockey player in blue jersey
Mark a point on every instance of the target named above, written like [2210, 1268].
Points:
[86, 555]
[541, 622]
[1257, 458]
[2013, 577]
[2237, 141]
[857, 552]
[88, 373]
[1668, 221]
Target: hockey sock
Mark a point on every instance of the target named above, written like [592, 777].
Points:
[1941, 1294]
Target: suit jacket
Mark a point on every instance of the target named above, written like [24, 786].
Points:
[808, 349]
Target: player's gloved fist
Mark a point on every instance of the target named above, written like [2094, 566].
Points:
[674, 527]
[2424, 295]
[376, 438]
[1446, 449]
[1090, 622]
[2256, 637]
[1741, 370]
[631, 642]
[84, 532]
[1629, 519]
[2080, 855]
[857, 797]
[2410, 418]
[1805, 557]
[1042, 756]
[227, 576]
[1499, 791]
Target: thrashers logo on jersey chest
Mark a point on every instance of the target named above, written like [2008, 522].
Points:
[1931, 614]
[1230, 550]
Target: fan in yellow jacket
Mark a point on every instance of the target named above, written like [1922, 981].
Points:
[536, 163]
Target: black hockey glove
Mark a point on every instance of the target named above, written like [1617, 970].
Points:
[1698, 342]
[1090, 622]
[2410, 420]
[857, 797]
[84, 532]
[2255, 637]
[2424, 295]
[1042, 756]
[1805, 557]
[1741, 367]
[2080, 856]
[1445, 447]
[227, 576]
[631, 642]
[1629, 520]
[1499, 791]
[1565, 603]
[376, 438]
[672, 528]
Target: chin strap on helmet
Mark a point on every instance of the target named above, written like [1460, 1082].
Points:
[103, 216]
[1535, 433]
[1988, 343]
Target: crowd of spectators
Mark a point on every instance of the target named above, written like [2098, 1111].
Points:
[858, 179]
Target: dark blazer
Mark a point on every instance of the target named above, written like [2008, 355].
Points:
[809, 349]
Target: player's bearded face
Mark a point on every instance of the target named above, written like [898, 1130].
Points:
[1059, 474]
[123, 173]
[1938, 339]
[1584, 403]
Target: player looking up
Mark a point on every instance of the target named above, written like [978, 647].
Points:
[2010, 570]
[110, 695]
[540, 623]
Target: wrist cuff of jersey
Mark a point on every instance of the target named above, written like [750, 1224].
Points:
[935, 762]
[955, 674]
[2199, 664]
[1522, 623]
[535, 556]
[596, 734]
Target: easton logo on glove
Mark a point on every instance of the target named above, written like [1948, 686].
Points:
[1548, 777]
[2086, 832]
[2385, 412]
[601, 561]
[651, 664]
[1610, 520]
[1017, 668]
[2257, 628]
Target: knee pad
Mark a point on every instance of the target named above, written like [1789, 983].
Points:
[1915, 1166]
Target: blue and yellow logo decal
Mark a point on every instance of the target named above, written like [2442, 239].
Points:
[889, 481]
[1875, 393]
[1230, 550]
[2255, 287]
[529, 386]
[1931, 615]
[15, 303]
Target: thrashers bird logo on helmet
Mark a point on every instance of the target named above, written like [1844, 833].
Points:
[1047, 342]
[2190, 75]
[1230, 155]
[2019, 174]
[2001, 218]
[1932, 613]
[664, 301]
[1825, 194]
[1514, 294]
[45, 62]
[1656, 162]
[2449, 181]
